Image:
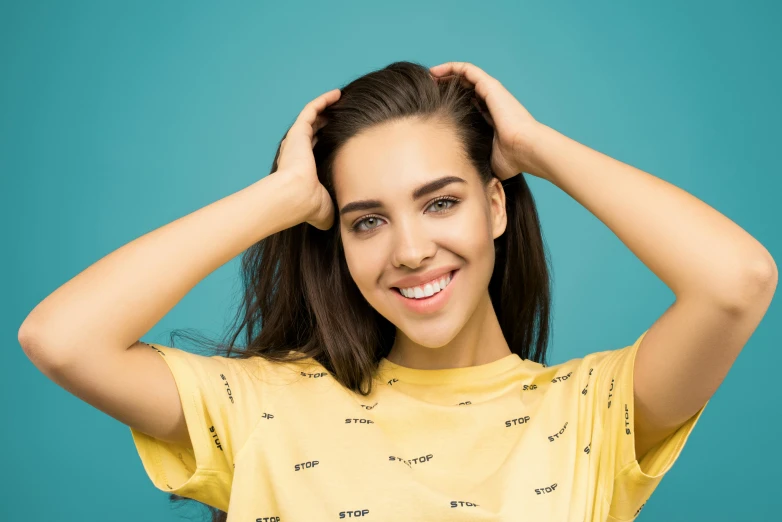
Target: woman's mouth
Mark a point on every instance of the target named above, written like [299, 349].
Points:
[431, 304]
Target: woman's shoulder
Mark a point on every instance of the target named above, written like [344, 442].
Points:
[606, 359]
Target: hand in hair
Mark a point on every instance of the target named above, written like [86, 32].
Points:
[296, 160]
[515, 130]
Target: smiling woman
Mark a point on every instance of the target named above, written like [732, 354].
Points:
[395, 357]
[406, 163]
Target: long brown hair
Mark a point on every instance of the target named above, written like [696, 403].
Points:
[297, 284]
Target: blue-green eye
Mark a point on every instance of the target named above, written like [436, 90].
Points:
[357, 225]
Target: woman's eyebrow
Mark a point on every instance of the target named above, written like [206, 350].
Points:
[423, 190]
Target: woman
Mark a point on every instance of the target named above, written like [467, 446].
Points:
[395, 259]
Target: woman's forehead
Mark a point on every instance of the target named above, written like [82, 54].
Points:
[396, 159]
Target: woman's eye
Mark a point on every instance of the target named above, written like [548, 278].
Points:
[357, 226]
[439, 204]
[444, 201]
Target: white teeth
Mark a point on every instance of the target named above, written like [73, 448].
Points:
[429, 289]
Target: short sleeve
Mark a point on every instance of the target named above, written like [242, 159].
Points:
[628, 483]
[220, 398]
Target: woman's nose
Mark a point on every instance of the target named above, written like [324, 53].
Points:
[412, 244]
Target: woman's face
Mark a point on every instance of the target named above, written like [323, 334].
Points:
[400, 236]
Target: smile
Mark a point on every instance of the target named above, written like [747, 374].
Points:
[431, 304]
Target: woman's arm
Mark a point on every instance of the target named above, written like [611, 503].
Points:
[118, 299]
[691, 247]
[722, 277]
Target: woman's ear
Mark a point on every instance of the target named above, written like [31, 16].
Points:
[499, 217]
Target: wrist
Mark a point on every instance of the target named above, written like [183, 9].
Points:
[543, 143]
[290, 190]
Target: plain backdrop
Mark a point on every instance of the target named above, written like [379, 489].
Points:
[119, 117]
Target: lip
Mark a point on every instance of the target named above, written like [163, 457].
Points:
[409, 282]
[429, 305]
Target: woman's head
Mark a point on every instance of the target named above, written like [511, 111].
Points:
[388, 232]
[328, 294]
[392, 132]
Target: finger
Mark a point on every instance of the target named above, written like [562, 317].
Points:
[466, 69]
[488, 119]
[488, 89]
[486, 115]
[308, 116]
[320, 122]
[462, 80]
[474, 74]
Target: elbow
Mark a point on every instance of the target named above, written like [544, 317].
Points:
[29, 331]
[31, 345]
[39, 351]
[25, 337]
[762, 276]
[755, 287]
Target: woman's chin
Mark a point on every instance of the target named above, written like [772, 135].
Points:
[431, 336]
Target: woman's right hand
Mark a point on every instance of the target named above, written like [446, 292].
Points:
[297, 160]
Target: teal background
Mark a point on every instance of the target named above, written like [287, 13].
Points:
[119, 117]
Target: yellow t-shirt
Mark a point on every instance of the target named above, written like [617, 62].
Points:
[508, 440]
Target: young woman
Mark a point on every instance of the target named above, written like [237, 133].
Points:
[395, 259]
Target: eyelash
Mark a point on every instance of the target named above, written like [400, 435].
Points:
[355, 227]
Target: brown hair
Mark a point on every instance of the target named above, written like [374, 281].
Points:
[297, 284]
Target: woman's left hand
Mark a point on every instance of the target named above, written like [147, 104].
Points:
[515, 130]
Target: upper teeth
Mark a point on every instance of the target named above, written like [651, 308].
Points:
[418, 292]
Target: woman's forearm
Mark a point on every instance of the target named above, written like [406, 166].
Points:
[119, 298]
[691, 247]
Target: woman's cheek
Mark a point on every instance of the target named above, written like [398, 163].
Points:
[466, 232]
[365, 262]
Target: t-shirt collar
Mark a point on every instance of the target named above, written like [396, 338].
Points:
[448, 375]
